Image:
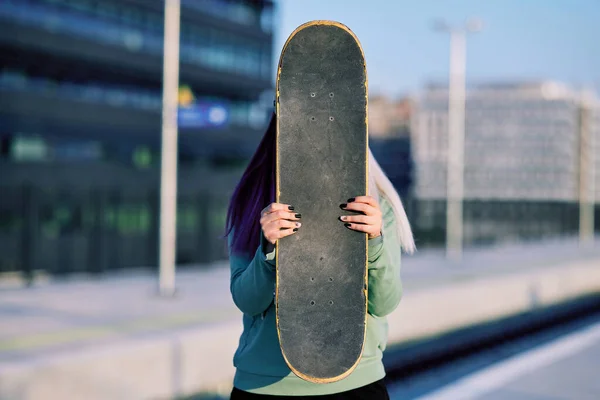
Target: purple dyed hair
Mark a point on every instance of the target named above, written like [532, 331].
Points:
[255, 191]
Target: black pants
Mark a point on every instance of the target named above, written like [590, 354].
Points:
[373, 391]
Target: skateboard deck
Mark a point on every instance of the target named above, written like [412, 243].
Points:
[321, 285]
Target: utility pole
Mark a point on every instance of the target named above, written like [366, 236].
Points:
[456, 134]
[168, 171]
[587, 166]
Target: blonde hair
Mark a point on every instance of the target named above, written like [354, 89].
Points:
[378, 180]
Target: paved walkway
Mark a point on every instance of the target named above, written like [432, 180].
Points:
[564, 369]
[54, 316]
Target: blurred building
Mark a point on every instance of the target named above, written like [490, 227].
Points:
[390, 118]
[521, 160]
[82, 79]
[395, 158]
[389, 139]
[521, 142]
[80, 127]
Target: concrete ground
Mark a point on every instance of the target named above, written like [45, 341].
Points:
[565, 368]
[54, 320]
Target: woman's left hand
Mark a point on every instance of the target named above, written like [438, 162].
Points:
[370, 222]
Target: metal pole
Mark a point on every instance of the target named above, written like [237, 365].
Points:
[456, 140]
[168, 175]
[593, 126]
[586, 172]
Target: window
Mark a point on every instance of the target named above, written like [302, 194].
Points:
[84, 6]
[155, 22]
[267, 19]
[131, 16]
[266, 62]
[107, 10]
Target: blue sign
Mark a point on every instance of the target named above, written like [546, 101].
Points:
[203, 115]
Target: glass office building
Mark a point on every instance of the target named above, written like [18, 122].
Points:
[82, 79]
[521, 163]
[521, 142]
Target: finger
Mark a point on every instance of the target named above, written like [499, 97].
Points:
[286, 232]
[359, 219]
[367, 209]
[275, 234]
[282, 224]
[276, 207]
[364, 199]
[370, 229]
[280, 214]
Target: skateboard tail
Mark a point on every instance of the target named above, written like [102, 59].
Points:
[307, 377]
[279, 65]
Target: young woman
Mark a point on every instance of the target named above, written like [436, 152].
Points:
[254, 224]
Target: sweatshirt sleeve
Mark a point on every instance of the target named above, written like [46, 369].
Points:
[252, 282]
[385, 285]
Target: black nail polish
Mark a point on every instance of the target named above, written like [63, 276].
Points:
[298, 215]
[351, 199]
[346, 224]
[343, 205]
[291, 208]
[340, 218]
[295, 229]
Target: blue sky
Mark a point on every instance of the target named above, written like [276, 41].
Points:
[521, 39]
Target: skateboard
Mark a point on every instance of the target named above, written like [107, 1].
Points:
[321, 284]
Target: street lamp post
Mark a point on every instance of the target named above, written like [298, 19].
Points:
[587, 164]
[168, 172]
[456, 134]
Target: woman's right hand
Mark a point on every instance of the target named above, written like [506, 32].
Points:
[278, 221]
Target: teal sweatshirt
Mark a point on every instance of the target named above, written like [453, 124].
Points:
[260, 367]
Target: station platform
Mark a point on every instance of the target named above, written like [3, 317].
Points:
[114, 337]
[567, 368]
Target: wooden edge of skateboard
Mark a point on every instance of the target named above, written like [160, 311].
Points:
[277, 197]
